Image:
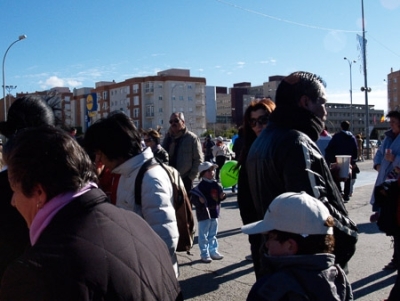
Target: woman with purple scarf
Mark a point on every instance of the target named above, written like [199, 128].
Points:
[82, 246]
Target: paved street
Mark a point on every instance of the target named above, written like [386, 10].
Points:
[232, 277]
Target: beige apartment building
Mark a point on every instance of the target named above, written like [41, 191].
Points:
[149, 101]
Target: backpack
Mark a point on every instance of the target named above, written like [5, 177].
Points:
[182, 205]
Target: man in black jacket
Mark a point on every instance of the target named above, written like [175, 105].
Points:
[342, 143]
[285, 158]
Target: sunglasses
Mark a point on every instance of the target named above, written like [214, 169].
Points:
[147, 140]
[262, 120]
[174, 121]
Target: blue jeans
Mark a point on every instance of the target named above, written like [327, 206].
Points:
[208, 243]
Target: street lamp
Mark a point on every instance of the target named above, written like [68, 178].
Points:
[365, 88]
[351, 92]
[21, 37]
[9, 88]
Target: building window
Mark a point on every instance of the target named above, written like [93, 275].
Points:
[135, 113]
[190, 98]
[149, 111]
[105, 95]
[135, 88]
[135, 100]
[160, 110]
[160, 97]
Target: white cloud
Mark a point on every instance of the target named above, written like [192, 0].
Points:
[55, 81]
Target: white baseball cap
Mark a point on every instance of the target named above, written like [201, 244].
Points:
[206, 165]
[219, 138]
[291, 212]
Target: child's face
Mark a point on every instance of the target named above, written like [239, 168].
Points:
[209, 174]
[277, 248]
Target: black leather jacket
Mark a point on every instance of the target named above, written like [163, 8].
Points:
[284, 159]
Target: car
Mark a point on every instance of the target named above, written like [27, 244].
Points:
[372, 142]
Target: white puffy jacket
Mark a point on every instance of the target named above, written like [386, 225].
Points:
[157, 199]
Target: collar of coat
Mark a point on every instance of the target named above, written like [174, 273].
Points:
[298, 119]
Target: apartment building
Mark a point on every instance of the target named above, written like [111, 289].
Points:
[338, 112]
[393, 90]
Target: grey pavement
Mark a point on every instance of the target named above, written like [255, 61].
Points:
[232, 277]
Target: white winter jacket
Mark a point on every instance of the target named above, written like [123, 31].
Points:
[157, 204]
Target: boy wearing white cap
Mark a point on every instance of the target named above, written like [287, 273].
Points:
[298, 259]
[207, 197]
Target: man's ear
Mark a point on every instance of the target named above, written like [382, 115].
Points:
[303, 103]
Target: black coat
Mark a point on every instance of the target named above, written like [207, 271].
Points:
[92, 250]
[284, 158]
[14, 233]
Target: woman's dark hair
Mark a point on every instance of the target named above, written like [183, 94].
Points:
[49, 157]
[248, 134]
[27, 111]
[154, 135]
[116, 136]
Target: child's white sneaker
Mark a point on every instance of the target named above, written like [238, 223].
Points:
[206, 259]
[217, 256]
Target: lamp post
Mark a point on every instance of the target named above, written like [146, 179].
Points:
[21, 37]
[9, 88]
[365, 89]
[351, 92]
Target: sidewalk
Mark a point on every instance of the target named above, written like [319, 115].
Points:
[232, 277]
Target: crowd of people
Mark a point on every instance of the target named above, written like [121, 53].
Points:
[71, 228]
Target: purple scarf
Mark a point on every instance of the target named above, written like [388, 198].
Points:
[50, 208]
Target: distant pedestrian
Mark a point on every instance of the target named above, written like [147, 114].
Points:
[152, 139]
[220, 152]
[298, 252]
[184, 149]
[208, 145]
[207, 197]
[360, 154]
[342, 143]
[72, 131]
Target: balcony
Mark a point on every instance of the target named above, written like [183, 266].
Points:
[200, 103]
[199, 91]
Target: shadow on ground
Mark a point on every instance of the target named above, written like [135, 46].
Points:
[208, 282]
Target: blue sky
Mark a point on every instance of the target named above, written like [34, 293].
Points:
[77, 43]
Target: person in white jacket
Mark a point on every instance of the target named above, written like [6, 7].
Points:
[117, 144]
